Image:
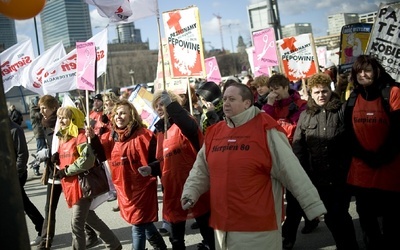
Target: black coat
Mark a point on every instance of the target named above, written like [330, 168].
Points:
[319, 142]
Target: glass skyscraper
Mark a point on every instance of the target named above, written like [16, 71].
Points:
[8, 33]
[67, 21]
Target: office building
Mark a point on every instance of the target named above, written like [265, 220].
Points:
[367, 17]
[8, 33]
[264, 15]
[337, 21]
[67, 21]
[128, 34]
[296, 29]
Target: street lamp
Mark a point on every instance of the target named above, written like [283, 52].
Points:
[132, 74]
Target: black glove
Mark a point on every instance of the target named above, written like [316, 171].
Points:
[104, 118]
[55, 158]
[61, 173]
[165, 99]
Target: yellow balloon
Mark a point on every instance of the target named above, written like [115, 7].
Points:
[21, 9]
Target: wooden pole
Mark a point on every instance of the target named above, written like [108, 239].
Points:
[163, 71]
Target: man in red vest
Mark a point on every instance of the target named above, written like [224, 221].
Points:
[244, 163]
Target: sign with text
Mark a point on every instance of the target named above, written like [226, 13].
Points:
[32, 75]
[13, 60]
[298, 56]
[265, 48]
[212, 69]
[384, 41]
[86, 63]
[185, 43]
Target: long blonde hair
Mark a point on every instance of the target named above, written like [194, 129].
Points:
[135, 119]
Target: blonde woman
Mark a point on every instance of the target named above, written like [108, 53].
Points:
[128, 146]
[75, 157]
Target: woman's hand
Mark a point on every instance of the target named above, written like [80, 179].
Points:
[90, 132]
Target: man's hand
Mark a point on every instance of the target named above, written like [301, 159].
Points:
[144, 171]
[42, 155]
[186, 203]
[165, 99]
[60, 174]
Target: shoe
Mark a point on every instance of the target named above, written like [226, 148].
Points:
[42, 246]
[36, 241]
[194, 225]
[115, 209]
[310, 226]
[163, 232]
[36, 172]
[92, 241]
[202, 246]
[113, 197]
[287, 244]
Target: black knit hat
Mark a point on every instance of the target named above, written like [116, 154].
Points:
[98, 97]
[210, 91]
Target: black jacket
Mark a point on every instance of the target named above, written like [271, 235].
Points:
[319, 142]
[20, 147]
[186, 123]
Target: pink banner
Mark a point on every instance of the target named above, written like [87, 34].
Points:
[212, 70]
[86, 62]
[265, 48]
[258, 69]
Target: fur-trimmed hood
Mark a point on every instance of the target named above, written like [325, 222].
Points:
[333, 105]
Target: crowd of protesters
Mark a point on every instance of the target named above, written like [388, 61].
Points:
[231, 160]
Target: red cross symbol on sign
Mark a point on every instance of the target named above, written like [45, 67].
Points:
[173, 21]
[288, 43]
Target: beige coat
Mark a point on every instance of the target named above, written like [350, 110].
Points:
[286, 171]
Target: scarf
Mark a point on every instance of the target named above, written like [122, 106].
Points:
[124, 133]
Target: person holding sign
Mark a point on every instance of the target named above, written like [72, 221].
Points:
[75, 156]
[175, 157]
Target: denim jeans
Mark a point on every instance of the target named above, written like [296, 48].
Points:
[40, 144]
[140, 233]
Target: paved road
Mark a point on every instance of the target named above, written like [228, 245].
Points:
[319, 239]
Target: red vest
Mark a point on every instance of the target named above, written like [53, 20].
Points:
[371, 126]
[177, 156]
[137, 195]
[239, 163]
[68, 154]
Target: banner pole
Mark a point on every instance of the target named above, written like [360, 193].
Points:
[163, 71]
[190, 97]
[87, 111]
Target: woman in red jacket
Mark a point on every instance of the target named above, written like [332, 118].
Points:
[175, 157]
[128, 146]
[75, 157]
